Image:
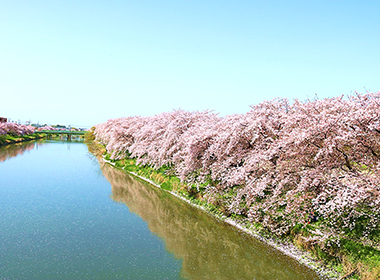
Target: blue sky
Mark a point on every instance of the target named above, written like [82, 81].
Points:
[84, 62]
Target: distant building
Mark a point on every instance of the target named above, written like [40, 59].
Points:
[3, 120]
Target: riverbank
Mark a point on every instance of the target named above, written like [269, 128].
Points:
[348, 260]
[306, 173]
[9, 139]
[179, 191]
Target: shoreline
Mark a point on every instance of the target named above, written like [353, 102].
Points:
[20, 140]
[287, 249]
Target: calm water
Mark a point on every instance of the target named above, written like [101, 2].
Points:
[64, 215]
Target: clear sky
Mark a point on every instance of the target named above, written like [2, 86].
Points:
[84, 62]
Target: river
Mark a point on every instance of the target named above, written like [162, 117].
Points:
[66, 215]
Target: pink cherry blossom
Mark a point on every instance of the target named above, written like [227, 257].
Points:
[279, 162]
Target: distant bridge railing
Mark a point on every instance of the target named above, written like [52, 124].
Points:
[69, 133]
[62, 132]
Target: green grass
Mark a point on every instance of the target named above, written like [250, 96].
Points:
[10, 139]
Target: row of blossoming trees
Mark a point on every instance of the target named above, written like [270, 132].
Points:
[15, 129]
[278, 163]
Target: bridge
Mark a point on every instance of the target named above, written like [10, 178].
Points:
[69, 133]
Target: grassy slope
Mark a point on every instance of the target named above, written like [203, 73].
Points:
[11, 139]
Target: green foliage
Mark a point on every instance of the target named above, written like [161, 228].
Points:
[89, 135]
[362, 224]
[358, 252]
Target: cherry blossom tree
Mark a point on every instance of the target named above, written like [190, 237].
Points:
[16, 129]
[280, 162]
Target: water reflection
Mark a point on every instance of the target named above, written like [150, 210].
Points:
[209, 249]
[14, 150]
